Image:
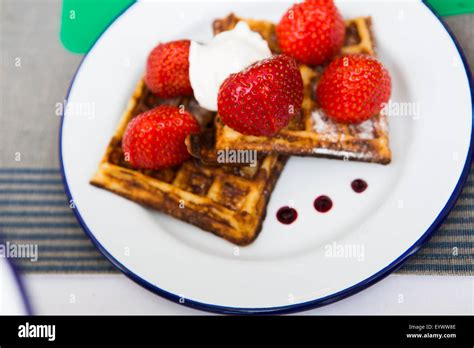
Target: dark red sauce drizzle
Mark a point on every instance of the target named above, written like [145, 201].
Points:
[286, 215]
[323, 204]
[359, 185]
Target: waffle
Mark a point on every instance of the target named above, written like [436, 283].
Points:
[228, 201]
[311, 133]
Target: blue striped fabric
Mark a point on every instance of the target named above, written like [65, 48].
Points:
[34, 210]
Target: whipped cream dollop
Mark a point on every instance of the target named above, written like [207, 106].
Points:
[228, 52]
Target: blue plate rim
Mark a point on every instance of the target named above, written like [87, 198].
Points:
[21, 286]
[19, 282]
[352, 290]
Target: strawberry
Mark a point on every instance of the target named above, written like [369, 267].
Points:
[263, 98]
[167, 70]
[312, 31]
[353, 88]
[155, 138]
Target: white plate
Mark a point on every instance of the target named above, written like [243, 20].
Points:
[289, 267]
[12, 295]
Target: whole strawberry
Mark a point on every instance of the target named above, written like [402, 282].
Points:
[263, 98]
[312, 31]
[167, 70]
[155, 138]
[353, 88]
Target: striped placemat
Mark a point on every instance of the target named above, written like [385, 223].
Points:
[35, 211]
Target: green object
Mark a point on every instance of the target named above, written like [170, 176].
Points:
[452, 7]
[83, 21]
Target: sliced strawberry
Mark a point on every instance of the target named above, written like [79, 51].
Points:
[167, 71]
[155, 138]
[263, 98]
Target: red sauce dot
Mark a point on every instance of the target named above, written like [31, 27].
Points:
[359, 185]
[286, 215]
[323, 204]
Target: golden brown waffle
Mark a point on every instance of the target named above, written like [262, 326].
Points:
[227, 201]
[311, 133]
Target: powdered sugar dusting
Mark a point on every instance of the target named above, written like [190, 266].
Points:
[383, 124]
[365, 130]
[323, 125]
